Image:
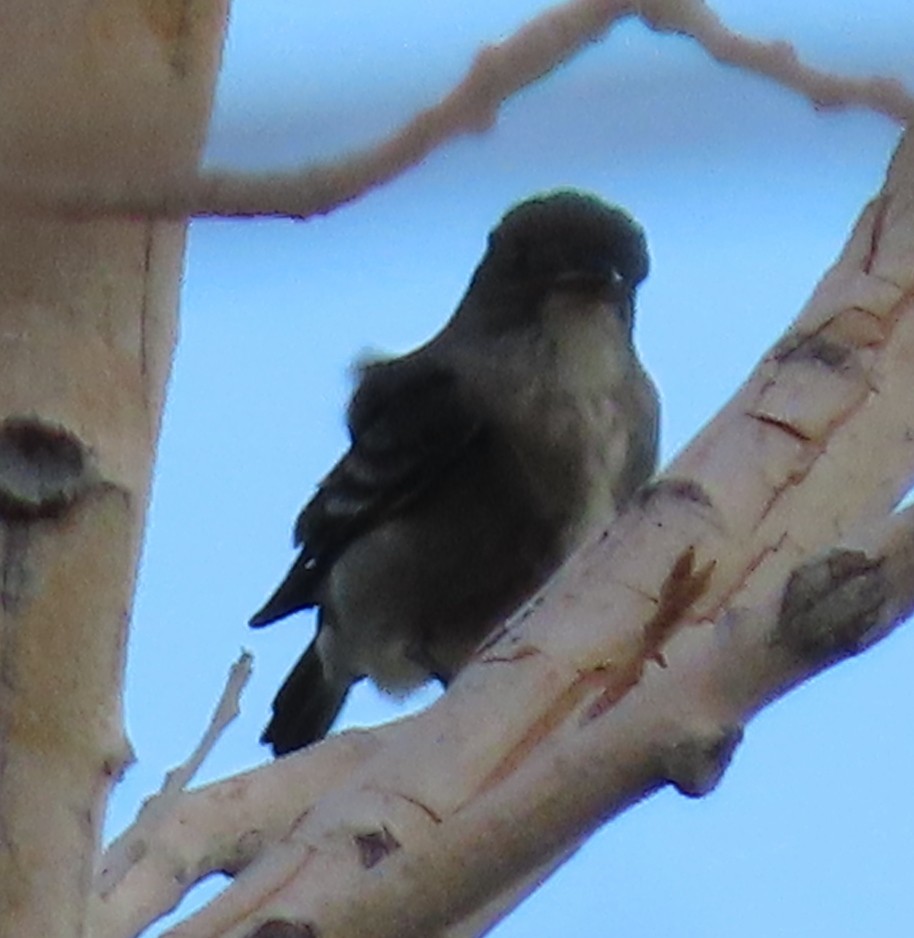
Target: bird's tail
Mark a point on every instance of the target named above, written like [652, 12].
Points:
[305, 706]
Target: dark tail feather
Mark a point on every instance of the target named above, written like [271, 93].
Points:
[295, 592]
[305, 707]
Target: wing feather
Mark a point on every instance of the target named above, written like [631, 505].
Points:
[409, 422]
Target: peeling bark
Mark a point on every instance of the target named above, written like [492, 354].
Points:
[768, 550]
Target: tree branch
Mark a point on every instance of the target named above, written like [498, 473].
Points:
[695, 609]
[498, 72]
[219, 828]
[776, 60]
[132, 843]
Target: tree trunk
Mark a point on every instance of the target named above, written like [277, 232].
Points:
[109, 89]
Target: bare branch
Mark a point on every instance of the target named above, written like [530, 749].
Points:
[776, 60]
[226, 710]
[218, 828]
[131, 845]
[498, 72]
[693, 611]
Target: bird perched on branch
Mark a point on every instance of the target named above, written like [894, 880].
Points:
[477, 463]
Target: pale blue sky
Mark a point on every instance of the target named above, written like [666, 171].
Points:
[746, 194]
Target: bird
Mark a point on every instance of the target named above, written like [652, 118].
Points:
[477, 463]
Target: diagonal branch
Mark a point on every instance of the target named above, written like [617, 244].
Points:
[695, 609]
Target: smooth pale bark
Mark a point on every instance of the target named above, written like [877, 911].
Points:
[767, 551]
[113, 89]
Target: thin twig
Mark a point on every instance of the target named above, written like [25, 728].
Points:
[129, 846]
[776, 60]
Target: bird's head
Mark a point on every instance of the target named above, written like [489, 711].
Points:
[565, 241]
